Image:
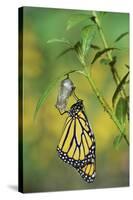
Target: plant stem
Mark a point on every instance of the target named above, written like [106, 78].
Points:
[109, 55]
[105, 106]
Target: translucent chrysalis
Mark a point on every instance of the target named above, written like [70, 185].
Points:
[65, 91]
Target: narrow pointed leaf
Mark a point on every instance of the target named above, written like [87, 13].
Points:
[75, 19]
[65, 51]
[121, 36]
[119, 87]
[78, 50]
[78, 47]
[62, 40]
[121, 110]
[95, 47]
[117, 141]
[44, 96]
[100, 53]
[87, 35]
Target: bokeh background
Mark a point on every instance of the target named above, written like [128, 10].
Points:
[42, 169]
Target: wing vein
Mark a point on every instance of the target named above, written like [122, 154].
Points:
[66, 134]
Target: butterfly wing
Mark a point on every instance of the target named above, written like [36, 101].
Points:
[88, 172]
[77, 144]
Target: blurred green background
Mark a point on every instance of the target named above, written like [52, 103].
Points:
[43, 170]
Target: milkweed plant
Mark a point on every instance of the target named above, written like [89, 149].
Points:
[118, 112]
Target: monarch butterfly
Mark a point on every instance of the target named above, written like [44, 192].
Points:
[77, 144]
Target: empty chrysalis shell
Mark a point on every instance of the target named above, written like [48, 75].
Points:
[65, 91]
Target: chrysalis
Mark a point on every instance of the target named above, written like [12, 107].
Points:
[66, 89]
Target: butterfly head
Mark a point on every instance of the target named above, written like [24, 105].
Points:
[76, 108]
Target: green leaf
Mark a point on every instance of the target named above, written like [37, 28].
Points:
[44, 96]
[119, 87]
[87, 35]
[75, 19]
[78, 47]
[62, 40]
[121, 110]
[121, 36]
[117, 140]
[78, 50]
[100, 53]
[95, 47]
[65, 51]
